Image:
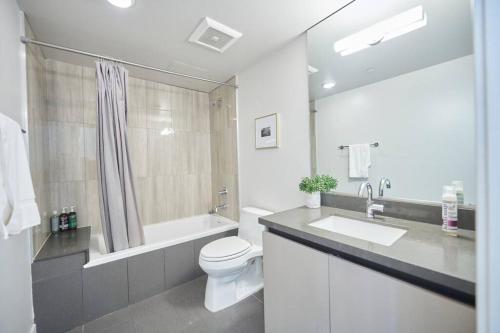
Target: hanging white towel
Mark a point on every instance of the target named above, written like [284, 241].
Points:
[18, 209]
[359, 160]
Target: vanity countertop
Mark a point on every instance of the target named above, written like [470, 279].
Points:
[424, 255]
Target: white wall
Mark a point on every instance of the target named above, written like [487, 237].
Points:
[424, 121]
[16, 310]
[269, 178]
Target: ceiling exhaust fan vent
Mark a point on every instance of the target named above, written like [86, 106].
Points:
[214, 35]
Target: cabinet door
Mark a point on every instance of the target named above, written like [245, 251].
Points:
[296, 287]
[363, 300]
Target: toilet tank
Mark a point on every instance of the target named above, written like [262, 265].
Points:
[249, 227]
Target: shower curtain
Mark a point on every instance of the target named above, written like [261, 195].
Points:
[120, 222]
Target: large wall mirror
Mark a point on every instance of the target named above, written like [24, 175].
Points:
[399, 75]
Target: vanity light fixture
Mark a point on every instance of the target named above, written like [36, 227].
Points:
[329, 85]
[122, 3]
[383, 31]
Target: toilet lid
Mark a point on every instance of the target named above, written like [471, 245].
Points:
[225, 247]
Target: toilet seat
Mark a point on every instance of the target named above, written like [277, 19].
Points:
[225, 249]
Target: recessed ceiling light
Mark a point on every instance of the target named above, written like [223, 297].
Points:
[329, 85]
[122, 3]
[383, 31]
[311, 70]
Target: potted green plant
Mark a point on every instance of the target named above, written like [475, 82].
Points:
[316, 185]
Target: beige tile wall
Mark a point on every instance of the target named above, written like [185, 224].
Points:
[223, 144]
[38, 136]
[169, 140]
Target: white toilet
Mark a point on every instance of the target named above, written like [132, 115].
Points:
[234, 264]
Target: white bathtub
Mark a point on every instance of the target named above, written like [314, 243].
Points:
[161, 235]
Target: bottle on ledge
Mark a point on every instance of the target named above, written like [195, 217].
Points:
[72, 220]
[63, 220]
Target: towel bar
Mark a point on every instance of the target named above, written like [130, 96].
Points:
[375, 144]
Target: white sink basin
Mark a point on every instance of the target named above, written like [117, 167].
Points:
[367, 231]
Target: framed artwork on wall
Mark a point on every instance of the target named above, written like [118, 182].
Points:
[267, 132]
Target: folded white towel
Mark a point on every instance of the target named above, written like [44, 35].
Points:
[18, 209]
[359, 160]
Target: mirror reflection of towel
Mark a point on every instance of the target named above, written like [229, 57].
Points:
[359, 160]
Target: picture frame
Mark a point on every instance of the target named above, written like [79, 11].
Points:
[267, 131]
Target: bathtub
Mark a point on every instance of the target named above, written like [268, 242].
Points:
[162, 235]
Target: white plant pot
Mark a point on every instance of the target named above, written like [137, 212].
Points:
[313, 200]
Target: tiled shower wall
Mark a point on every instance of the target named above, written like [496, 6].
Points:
[223, 144]
[169, 138]
[38, 135]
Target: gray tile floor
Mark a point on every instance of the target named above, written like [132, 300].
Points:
[181, 310]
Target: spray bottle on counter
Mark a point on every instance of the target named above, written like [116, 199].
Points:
[450, 209]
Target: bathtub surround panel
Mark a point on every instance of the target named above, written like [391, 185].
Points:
[180, 264]
[46, 269]
[105, 289]
[113, 285]
[58, 302]
[224, 149]
[146, 275]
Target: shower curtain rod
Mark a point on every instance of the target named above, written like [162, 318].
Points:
[26, 40]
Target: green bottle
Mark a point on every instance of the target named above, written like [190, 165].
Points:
[72, 220]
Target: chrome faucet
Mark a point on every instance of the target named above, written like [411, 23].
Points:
[223, 191]
[383, 182]
[371, 207]
[217, 208]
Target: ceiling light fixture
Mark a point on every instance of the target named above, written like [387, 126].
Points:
[329, 85]
[122, 3]
[383, 31]
[311, 70]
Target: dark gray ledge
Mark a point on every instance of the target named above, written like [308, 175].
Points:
[66, 243]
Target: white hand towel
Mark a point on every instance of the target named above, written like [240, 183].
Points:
[359, 160]
[18, 209]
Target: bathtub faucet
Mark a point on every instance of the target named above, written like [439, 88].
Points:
[217, 208]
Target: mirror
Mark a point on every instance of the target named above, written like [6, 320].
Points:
[398, 75]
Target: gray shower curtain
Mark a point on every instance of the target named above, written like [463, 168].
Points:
[120, 222]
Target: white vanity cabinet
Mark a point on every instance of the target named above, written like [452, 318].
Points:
[296, 287]
[363, 300]
[307, 290]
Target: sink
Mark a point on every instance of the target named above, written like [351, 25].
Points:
[367, 231]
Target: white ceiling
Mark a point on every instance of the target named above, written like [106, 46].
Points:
[156, 32]
[447, 35]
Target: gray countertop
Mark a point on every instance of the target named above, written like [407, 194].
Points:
[65, 243]
[424, 254]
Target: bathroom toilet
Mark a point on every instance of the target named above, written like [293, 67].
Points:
[234, 264]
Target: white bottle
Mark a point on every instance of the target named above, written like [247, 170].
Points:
[459, 189]
[449, 210]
